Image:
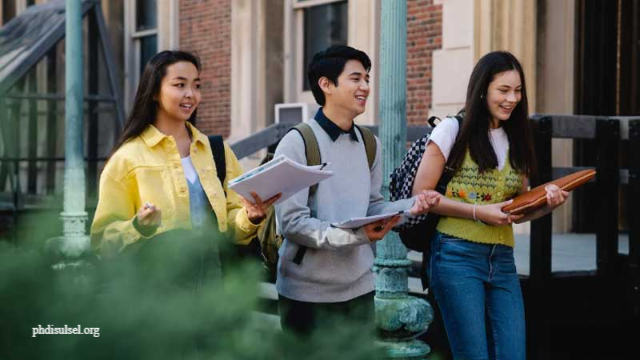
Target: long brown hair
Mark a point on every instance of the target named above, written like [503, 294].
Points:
[474, 131]
[145, 107]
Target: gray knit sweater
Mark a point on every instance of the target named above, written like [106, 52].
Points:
[337, 264]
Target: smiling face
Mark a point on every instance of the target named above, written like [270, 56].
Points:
[179, 94]
[351, 92]
[503, 95]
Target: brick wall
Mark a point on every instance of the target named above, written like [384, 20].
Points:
[205, 28]
[424, 34]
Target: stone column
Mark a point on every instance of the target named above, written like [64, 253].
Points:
[398, 315]
[508, 25]
[74, 242]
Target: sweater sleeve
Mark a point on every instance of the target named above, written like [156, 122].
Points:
[293, 215]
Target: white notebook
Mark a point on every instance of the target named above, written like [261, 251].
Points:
[357, 222]
[280, 175]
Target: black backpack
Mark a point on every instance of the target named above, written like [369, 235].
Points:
[217, 148]
[416, 232]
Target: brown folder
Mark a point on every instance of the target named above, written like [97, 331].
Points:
[537, 196]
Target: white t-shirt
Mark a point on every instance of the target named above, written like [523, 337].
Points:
[199, 207]
[189, 170]
[444, 135]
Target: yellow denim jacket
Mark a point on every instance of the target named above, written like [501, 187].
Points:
[148, 169]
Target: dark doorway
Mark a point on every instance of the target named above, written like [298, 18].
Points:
[607, 82]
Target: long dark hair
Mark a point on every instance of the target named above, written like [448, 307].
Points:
[474, 132]
[145, 107]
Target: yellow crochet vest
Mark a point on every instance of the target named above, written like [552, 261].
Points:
[470, 186]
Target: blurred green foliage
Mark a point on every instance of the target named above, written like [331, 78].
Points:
[160, 304]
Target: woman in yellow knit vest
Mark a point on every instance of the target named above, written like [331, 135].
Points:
[472, 269]
[162, 177]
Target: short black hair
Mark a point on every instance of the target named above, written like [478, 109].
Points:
[330, 64]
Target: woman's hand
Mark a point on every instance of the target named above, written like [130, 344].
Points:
[492, 214]
[257, 210]
[425, 200]
[555, 196]
[148, 219]
[377, 230]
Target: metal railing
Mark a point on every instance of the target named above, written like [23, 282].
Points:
[607, 133]
[272, 134]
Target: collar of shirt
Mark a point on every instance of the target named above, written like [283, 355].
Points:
[333, 130]
[152, 136]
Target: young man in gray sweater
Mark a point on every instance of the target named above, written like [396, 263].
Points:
[334, 276]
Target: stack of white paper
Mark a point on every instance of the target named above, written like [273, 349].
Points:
[357, 222]
[280, 175]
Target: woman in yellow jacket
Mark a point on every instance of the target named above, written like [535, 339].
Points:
[161, 175]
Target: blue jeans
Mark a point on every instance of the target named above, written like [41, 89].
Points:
[478, 292]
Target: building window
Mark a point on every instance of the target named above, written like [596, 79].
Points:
[324, 25]
[12, 8]
[313, 25]
[143, 29]
[320, 23]
[145, 35]
[8, 10]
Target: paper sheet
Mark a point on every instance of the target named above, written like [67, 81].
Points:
[280, 175]
[355, 223]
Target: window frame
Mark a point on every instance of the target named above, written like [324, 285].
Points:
[19, 7]
[133, 44]
[294, 46]
[301, 4]
[167, 34]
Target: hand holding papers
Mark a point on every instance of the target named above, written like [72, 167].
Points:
[257, 210]
[280, 175]
[354, 223]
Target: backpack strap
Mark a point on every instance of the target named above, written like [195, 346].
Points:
[312, 153]
[448, 171]
[217, 148]
[370, 144]
[312, 150]
[459, 117]
[434, 120]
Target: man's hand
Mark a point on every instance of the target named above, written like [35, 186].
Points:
[425, 201]
[377, 230]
